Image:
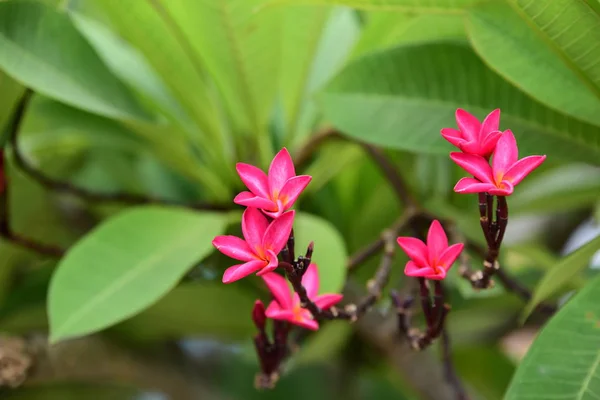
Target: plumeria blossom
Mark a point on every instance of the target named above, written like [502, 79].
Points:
[276, 192]
[287, 307]
[260, 246]
[431, 260]
[506, 171]
[472, 136]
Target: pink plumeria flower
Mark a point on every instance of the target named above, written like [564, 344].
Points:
[506, 171]
[431, 260]
[262, 242]
[474, 137]
[276, 192]
[287, 307]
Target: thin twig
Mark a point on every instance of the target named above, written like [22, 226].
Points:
[304, 153]
[88, 195]
[449, 370]
[391, 173]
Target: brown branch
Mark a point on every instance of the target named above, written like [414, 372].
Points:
[304, 153]
[449, 369]
[67, 187]
[389, 170]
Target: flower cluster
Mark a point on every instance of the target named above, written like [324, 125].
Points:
[267, 226]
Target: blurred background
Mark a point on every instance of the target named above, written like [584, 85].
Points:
[108, 105]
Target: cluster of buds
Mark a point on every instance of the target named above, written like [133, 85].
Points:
[268, 245]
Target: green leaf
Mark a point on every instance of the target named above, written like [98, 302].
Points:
[560, 189]
[11, 92]
[509, 46]
[572, 29]
[330, 252]
[40, 47]
[388, 29]
[561, 274]
[125, 265]
[415, 93]
[564, 360]
[325, 344]
[75, 391]
[430, 6]
[220, 311]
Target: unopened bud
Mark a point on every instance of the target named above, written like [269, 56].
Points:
[258, 315]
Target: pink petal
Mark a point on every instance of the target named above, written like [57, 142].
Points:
[248, 199]
[240, 271]
[437, 241]
[522, 168]
[415, 249]
[280, 289]
[273, 307]
[470, 185]
[471, 148]
[326, 301]
[234, 247]
[254, 226]
[310, 281]
[414, 270]
[490, 123]
[278, 232]
[475, 165]
[274, 312]
[468, 124]
[506, 189]
[306, 321]
[277, 210]
[489, 143]
[453, 136]
[450, 255]
[272, 264]
[440, 275]
[254, 178]
[292, 189]
[281, 169]
[506, 153]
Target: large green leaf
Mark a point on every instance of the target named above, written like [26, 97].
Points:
[330, 252]
[562, 273]
[239, 47]
[11, 91]
[564, 360]
[126, 264]
[40, 47]
[430, 6]
[509, 46]
[401, 98]
[219, 311]
[388, 29]
[572, 29]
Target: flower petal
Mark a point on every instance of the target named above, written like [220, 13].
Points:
[437, 276]
[305, 320]
[240, 271]
[310, 281]
[254, 226]
[490, 124]
[254, 178]
[414, 270]
[328, 300]
[506, 189]
[275, 312]
[468, 124]
[453, 136]
[450, 255]
[415, 249]
[278, 232]
[280, 170]
[280, 289]
[471, 185]
[248, 199]
[437, 242]
[506, 153]
[272, 263]
[234, 247]
[292, 189]
[489, 143]
[475, 165]
[522, 168]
